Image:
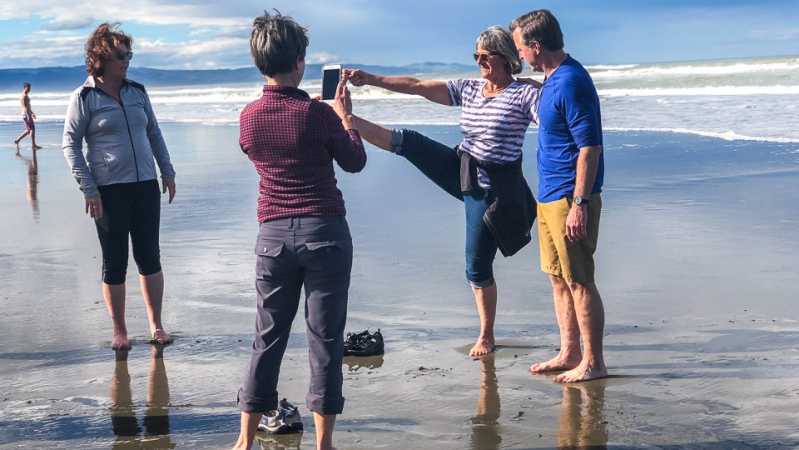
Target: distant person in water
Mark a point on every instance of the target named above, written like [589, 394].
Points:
[28, 117]
[118, 174]
[570, 175]
[485, 170]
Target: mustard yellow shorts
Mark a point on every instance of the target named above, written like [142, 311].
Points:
[573, 261]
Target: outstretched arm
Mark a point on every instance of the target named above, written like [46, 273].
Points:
[435, 91]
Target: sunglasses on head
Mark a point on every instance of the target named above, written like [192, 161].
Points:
[483, 57]
[121, 55]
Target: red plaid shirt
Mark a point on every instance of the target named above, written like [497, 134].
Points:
[293, 140]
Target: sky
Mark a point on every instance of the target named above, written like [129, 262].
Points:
[213, 34]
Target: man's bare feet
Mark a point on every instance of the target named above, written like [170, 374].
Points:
[555, 364]
[583, 372]
[482, 348]
[161, 337]
[36, 147]
[121, 342]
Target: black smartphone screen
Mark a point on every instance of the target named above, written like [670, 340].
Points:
[330, 79]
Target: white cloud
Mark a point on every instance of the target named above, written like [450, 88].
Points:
[73, 24]
[784, 34]
[321, 58]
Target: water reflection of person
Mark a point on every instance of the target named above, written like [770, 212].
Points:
[485, 434]
[123, 411]
[33, 181]
[582, 419]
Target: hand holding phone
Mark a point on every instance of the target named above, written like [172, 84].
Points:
[331, 75]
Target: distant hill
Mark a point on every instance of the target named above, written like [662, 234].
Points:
[68, 78]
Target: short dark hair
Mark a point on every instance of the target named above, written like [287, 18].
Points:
[277, 42]
[102, 45]
[26, 85]
[542, 26]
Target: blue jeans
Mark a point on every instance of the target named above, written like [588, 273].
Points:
[441, 164]
[296, 252]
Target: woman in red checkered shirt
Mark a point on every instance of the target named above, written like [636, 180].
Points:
[304, 240]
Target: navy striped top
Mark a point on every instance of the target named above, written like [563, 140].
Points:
[493, 128]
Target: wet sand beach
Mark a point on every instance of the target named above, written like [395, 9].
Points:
[697, 265]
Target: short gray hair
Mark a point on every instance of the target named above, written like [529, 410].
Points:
[276, 43]
[499, 40]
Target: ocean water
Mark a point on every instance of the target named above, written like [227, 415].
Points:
[743, 99]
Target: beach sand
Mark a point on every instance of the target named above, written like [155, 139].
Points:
[697, 265]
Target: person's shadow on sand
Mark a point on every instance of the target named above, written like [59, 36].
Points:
[123, 411]
[581, 422]
[485, 432]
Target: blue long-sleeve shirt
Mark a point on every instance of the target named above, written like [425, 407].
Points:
[123, 140]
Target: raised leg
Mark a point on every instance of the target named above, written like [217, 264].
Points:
[375, 134]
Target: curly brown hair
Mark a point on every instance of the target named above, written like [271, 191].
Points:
[102, 45]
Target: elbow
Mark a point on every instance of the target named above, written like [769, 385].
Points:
[357, 165]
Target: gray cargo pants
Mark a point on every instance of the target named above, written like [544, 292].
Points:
[292, 253]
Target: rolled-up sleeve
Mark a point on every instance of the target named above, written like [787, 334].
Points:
[75, 125]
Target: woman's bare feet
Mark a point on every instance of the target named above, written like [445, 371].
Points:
[482, 348]
[161, 337]
[121, 342]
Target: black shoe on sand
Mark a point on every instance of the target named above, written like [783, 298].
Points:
[364, 344]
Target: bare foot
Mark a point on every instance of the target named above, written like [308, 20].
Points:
[557, 363]
[121, 342]
[17, 144]
[161, 337]
[583, 372]
[36, 147]
[482, 348]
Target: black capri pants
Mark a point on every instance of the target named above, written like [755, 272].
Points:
[130, 210]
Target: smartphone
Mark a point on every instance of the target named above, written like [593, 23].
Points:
[331, 75]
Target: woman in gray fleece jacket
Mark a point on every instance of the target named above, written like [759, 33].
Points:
[117, 174]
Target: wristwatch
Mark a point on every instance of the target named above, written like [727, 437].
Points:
[580, 200]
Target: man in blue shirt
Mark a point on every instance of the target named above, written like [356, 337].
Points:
[570, 172]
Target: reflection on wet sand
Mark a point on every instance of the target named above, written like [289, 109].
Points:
[33, 181]
[485, 432]
[123, 411]
[354, 363]
[582, 420]
[278, 442]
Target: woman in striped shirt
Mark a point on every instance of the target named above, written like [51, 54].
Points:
[497, 110]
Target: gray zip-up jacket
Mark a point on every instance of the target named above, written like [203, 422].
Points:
[123, 141]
